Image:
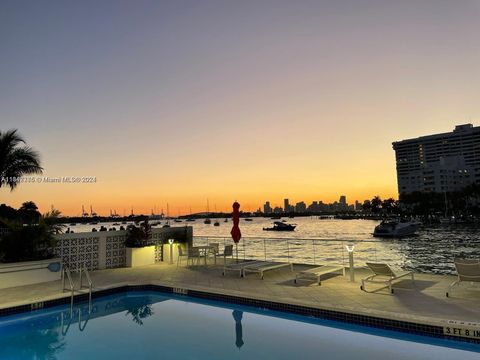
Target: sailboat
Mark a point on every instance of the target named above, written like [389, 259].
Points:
[167, 224]
[447, 219]
[207, 220]
[190, 218]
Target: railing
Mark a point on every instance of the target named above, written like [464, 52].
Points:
[89, 285]
[66, 275]
[408, 253]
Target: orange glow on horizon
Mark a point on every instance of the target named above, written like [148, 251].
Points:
[70, 202]
[179, 103]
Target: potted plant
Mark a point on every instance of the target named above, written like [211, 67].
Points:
[140, 248]
[27, 252]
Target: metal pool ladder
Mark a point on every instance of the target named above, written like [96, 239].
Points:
[88, 285]
[66, 275]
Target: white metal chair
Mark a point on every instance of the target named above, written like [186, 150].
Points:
[264, 266]
[468, 270]
[317, 272]
[385, 275]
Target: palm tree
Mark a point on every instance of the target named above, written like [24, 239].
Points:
[16, 159]
[376, 204]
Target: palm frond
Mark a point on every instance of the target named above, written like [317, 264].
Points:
[16, 160]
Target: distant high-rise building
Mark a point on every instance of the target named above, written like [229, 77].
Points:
[300, 207]
[342, 203]
[438, 163]
[314, 207]
[358, 205]
[267, 209]
[366, 204]
[286, 205]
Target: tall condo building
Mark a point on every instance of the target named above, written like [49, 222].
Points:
[267, 209]
[343, 202]
[439, 163]
[286, 205]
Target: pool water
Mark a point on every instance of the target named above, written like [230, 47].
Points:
[149, 325]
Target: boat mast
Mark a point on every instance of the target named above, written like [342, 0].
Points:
[446, 204]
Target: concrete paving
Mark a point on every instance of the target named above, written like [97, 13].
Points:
[422, 302]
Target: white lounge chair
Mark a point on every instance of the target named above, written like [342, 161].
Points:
[264, 266]
[468, 270]
[385, 275]
[317, 272]
[239, 266]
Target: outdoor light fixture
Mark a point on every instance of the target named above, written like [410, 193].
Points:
[350, 249]
[170, 241]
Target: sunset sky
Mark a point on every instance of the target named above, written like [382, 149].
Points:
[184, 101]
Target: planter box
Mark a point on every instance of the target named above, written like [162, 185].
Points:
[140, 256]
[30, 272]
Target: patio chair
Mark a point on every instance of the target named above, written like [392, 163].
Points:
[264, 266]
[194, 253]
[215, 247]
[214, 250]
[385, 275]
[317, 272]
[227, 252]
[191, 254]
[181, 254]
[239, 266]
[468, 270]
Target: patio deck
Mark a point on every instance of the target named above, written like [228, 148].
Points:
[425, 303]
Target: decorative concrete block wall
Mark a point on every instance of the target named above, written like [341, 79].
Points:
[106, 249]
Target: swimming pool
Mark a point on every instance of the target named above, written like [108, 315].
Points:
[151, 325]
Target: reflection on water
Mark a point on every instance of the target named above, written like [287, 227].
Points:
[237, 315]
[35, 344]
[139, 313]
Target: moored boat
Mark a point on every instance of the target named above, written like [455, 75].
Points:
[396, 228]
[281, 226]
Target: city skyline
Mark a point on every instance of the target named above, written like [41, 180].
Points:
[173, 211]
[177, 103]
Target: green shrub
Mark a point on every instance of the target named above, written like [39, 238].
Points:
[139, 236]
[30, 242]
